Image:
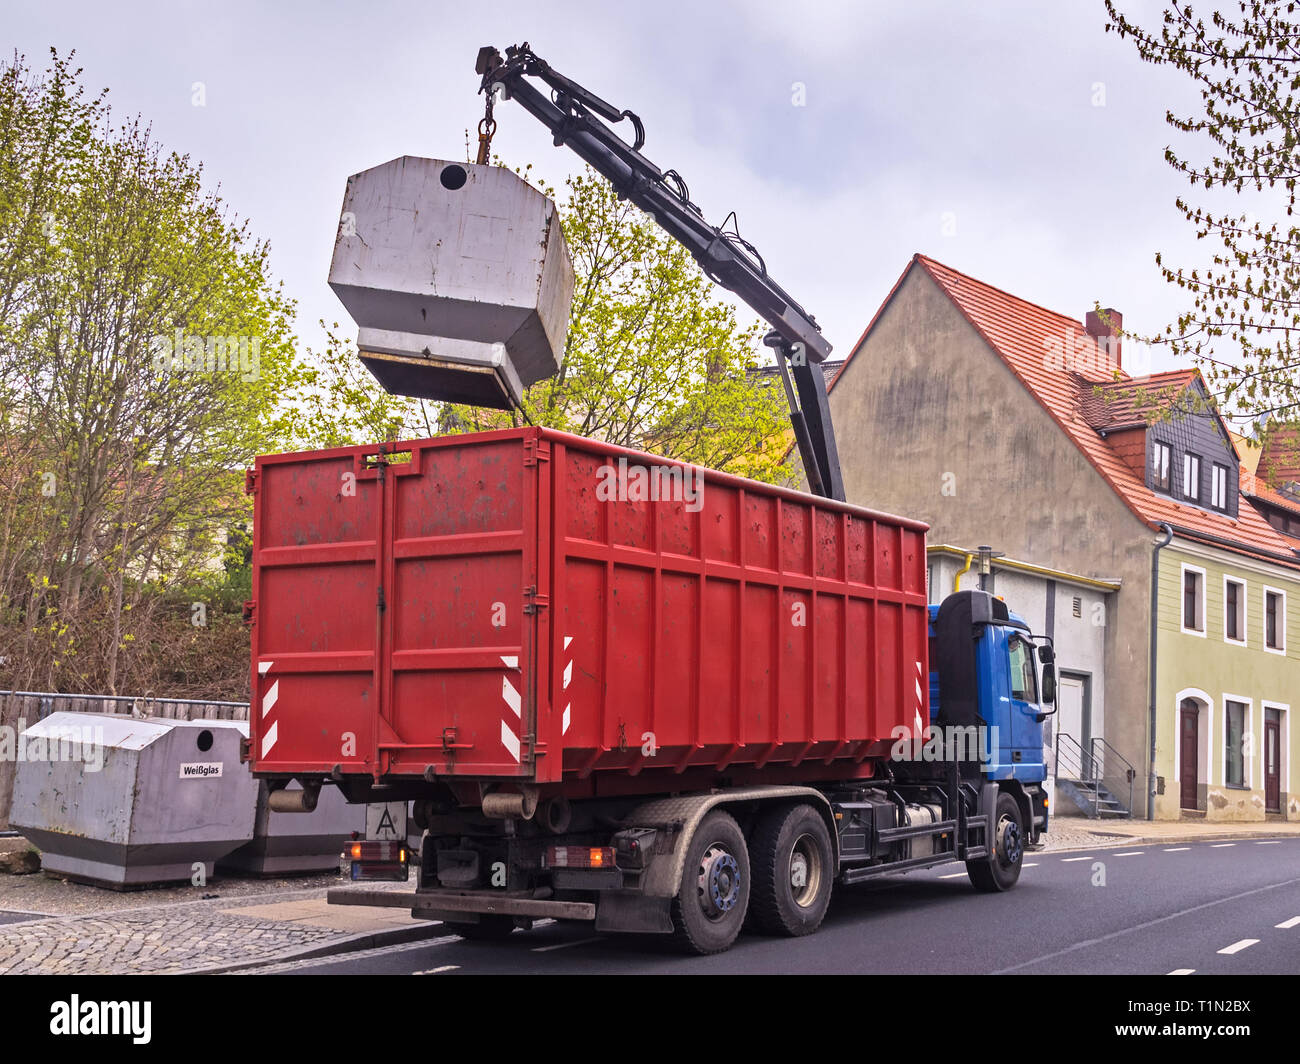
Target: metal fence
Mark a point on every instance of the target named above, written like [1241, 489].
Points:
[21, 708]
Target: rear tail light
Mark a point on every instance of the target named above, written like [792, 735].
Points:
[379, 860]
[580, 857]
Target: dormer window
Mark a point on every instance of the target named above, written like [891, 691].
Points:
[1219, 487]
[1191, 477]
[1160, 456]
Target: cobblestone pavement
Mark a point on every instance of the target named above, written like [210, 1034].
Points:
[179, 937]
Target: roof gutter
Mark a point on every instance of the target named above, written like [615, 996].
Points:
[1236, 546]
[1151, 709]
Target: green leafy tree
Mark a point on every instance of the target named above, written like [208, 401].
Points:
[146, 362]
[1242, 320]
[654, 360]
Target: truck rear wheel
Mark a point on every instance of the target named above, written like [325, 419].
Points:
[1000, 870]
[713, 896]
[792, 861]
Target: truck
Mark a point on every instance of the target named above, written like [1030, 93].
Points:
[609, 686]
[664, 711]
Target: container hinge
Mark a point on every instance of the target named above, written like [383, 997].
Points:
[250, 481]
[250, 608]
[382, 604]
[536, 451]
[533, 601]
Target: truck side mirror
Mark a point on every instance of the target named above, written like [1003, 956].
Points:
[1049, 684]
[1046, 654]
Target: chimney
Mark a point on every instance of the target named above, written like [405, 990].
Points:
[1105, 327]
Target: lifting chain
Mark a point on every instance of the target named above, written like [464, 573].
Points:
[486, 128]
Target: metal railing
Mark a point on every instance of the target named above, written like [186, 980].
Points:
[1113, 771]
[1099, 766]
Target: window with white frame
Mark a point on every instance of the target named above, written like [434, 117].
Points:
[1275, 620]
[1219, 487]
[1235, 716]
[1234, 610]
[1191, 477]
[1193, 600]
[1160, 456]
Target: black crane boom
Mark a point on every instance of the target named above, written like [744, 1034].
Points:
[578, 120]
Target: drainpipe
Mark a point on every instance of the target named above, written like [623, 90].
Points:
[1151, 722]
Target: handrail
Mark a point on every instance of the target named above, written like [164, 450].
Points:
[1098, 764]
[1106, 771]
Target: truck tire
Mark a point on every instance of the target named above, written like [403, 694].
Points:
[490, 928]
[1000, 870]
[713, 896]
[792, 861]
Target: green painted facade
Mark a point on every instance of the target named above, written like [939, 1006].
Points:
[1206, 672]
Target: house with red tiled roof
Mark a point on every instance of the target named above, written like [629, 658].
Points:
[1006, 424]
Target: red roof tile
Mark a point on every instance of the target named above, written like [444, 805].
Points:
[1061, 365]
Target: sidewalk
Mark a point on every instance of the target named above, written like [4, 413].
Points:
[210, 935]
[1080, 833]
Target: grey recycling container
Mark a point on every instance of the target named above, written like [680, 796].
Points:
[122, 802]
[458, 277]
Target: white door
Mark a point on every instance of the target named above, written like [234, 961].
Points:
[1072, 720]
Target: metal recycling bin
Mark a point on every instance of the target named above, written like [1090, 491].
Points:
[120, 801]
[458, 277]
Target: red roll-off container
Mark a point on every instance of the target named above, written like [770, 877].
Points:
[507, 605]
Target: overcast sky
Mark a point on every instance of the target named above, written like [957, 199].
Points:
[1015, 141]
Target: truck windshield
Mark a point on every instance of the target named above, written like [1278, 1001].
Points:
[1021, 654]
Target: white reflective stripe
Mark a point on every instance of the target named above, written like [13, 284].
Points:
[268, 740]
[564, 725]
[567, 640]
[510, 695]
[510, 660]
[272, 696]
[263, 667]
[568, 673]
[509, 740]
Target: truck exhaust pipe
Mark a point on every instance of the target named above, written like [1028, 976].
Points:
[507, 806]
[287, 801]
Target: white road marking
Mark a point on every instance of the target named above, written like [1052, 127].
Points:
[1067, 860]
[1030, 864]
[1237, 947]
[1183, 971]
[1271, 842]
[1221, 845]
[437, 971]
[1086, 943]
[1177, 849]
[1131, 853]
[566, 945]
[1285, 924]
[953, 875]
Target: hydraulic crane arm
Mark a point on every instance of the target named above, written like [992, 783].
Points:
[577, 118]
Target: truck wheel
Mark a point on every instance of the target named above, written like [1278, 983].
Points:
[490, 928]
[792, 862]
[1000, 870]
[713, 896]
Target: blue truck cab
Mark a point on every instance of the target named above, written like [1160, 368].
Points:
[992, 687]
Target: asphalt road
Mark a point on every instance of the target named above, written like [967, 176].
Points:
[1149, 910]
